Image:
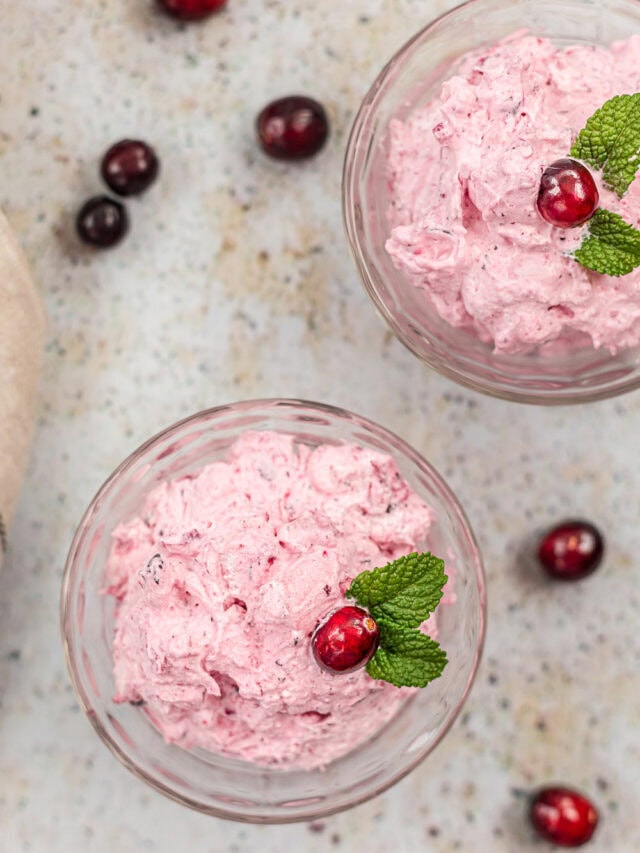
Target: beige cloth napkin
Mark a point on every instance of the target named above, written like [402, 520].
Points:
[22, 330]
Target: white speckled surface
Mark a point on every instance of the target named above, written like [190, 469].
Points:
[236, 282]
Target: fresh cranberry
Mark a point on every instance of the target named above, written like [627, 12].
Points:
[568, 195]
[191, 10]
[102, 222]
[347, 640]
[129, 167]
[563, 816]
[292, 128]
[572, 550]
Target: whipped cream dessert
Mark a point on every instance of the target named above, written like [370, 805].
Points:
[224, 576]
[463, 176]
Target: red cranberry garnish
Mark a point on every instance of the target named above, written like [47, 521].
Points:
[572, 550]
[102, 222]
[292, 128]
[129, 167]
[563, 816]
[346, 641]
[191, 10]
[568, 195]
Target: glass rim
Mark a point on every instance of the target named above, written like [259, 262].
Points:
[314, 811]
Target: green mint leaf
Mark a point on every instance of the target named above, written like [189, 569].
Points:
[611, 246]
[406, 591]
[406, 657]
[610, 141]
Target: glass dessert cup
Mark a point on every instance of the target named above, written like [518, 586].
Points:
[227, 787]
[560, 372]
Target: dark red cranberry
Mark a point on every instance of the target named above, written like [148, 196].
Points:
[292, 128]
[568, 195]
[347, 640]
[563, 816]
[102, 222]
[572, 550]
[129, 167]
[191, 10]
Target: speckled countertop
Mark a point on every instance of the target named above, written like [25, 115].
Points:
[236, 282]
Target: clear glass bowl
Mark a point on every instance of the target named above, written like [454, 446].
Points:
[232, 788]
[551, 374]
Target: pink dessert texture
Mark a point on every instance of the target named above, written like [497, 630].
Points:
[222, 579]
[464, 172]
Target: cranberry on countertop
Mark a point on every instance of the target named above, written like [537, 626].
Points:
[102, 222]
[346, 641]
[572, 550]
[191, 10]
[292, 128]
[130, 167]
[568, 195]
[563, 816]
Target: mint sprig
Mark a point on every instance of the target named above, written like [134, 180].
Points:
[400, 596]
[612, 246]
[610, 141]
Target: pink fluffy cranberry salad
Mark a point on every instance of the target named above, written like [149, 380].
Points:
[464, 174]
[222, 579]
